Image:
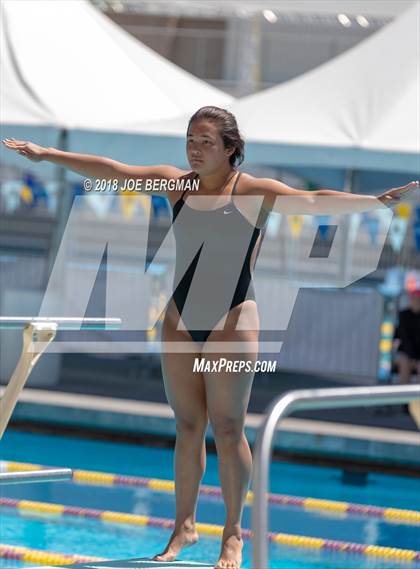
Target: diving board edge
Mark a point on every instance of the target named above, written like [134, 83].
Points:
[137, 563]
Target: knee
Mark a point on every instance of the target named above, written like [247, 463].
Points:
[191, 427]
[405, 363]
[227, 430]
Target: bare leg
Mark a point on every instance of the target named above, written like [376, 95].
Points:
[418, 371]
[405, 365]
[227, 401]
[186, 395]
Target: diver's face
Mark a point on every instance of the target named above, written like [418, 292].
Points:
[205, 148]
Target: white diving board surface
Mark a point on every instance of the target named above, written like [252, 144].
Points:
[140, 563]
[17, 322]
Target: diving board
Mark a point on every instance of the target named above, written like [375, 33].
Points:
[42, 330]
[141, 563]
[17, 322]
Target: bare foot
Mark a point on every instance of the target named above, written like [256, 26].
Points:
[231, 553]
[180, 538]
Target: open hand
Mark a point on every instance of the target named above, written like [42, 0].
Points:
[28, 149]
[396, 195]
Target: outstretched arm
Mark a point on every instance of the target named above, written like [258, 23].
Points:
[90, 165]
[280, 198]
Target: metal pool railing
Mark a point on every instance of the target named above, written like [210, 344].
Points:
[52, 475]
[297, 401]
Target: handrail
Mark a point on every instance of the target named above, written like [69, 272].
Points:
[50, 475]
[297, 401]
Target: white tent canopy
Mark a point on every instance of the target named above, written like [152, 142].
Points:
[17, 104]
[399, 128]
[360, 109]
[66, 64]
[357, 111]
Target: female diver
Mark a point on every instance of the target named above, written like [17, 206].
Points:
[214, 149]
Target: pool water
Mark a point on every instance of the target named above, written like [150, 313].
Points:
[90, 537]
[95, 538]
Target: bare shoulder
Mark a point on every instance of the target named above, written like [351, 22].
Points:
[251, 185]
[173, 173]
[160, 172]
[247, 184]
[269, 188]
[255, 210]
[170, 172]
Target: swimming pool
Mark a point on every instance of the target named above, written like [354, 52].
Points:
[92, 537]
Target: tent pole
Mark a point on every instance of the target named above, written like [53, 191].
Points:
[64, 203]
[346, 257]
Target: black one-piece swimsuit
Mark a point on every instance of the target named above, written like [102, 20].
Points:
[216, 240]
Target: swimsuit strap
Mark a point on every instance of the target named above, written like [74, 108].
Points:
[181, 200]
[236, 183]
[185, 191]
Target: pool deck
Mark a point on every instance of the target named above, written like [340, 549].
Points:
[301, 436]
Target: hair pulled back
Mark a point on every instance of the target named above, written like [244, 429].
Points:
[228, 128]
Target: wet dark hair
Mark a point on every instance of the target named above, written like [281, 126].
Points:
[229, 131]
